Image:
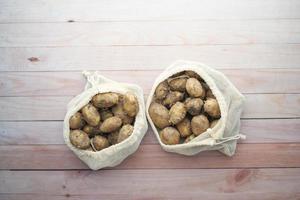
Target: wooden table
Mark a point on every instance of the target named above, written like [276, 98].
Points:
[44, 46]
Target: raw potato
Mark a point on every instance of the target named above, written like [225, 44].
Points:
[119, 112]
[111, 124]
[91, 130]
[76, 121]
[105, 100]
[99, 142]
[188, 139]
[79, 139]
[170, 136]
[105, 114]
[212, 108]
[91, 115]
[178, 83]
[194, 88]
[213, 123]
[162, 90]
[184, 127]
[177, 112]
[193, 74]
[159, 115]
[125, 132]
[172, 97]
[194, 105]
[199, 124]
[113, 137]
[130, 104]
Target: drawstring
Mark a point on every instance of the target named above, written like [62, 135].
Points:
[213, 142]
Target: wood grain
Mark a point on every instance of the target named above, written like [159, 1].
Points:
[146, 33]
[208, 183]
[54, 107]
[148, 57]
[50, 132]
[79, 10]
[153, 156]
[72, 83]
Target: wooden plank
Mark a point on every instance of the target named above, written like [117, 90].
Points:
[145, 33]
[210, 184]
[54, 107]
[79, 10]
[148, 57]
[257, 131]
[72, 83]
[153, 156]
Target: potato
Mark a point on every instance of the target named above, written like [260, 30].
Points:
[177, 112]
[209, 94]
[104, 114]
[91, 130]
[184, 127]
[212, 108]
[111, 124]
[105, 100]
[199, 124]
[178, 83]
[159, 115]
[188, 139]
[193, 105]
[161, 90]
[119, 112]
[125, 132]
[99, 142]
[130, 104]
[194, 88]
[169, 135]
[193, 74]
[76, 121]
[172, 97]
[91, 115]
[213, 123]
[113, 137]
[79, 139]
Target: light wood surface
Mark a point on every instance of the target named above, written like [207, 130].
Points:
[44, 46]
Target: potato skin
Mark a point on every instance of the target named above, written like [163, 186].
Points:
[213, 123]
[194, 88]
[111, 124]
[125, 132]
[178, 83]
[99, 142]
[184, 127]
[159, 115]
[76, 121]
[177, 112]
[105, 100]
[193, 105]
[211, 107]
[91, 115]
[113, 137]
[209, 94]
[161, 90]
[91, 130]
[119, 112]
[169, 136]
[199, 124]
[130, 104]
[79, 139]
[172, 97]
[193, 74]
[105, 114]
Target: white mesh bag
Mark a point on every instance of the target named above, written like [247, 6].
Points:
[114, 154]
[224, 135]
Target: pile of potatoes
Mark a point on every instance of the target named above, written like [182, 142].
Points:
[106, 120]
[183, 107]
